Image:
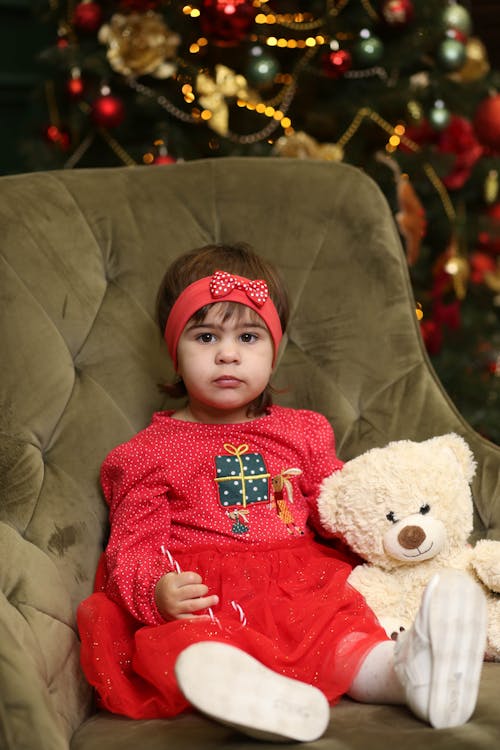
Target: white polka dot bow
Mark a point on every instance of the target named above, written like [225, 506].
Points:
[223, 283]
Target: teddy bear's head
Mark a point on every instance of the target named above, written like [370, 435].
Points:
[404, 503]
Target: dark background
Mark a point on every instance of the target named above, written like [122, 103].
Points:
[23, 35]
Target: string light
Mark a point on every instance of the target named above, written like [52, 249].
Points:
[195, 47]
[188, 10]
[395, 139]
[282, 42]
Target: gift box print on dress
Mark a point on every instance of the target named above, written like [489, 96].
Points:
[242, 480]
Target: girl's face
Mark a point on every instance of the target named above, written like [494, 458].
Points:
[225, 364]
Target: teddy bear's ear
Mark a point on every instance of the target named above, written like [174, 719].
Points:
[462, 452]
[327, 500]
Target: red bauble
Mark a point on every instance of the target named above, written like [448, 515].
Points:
[494, 212]
[480, 263]
[108, 111]
[457, 35]
[227, 21]
[74, 87]
[398, 12]
[487, 122]
[57, 136]
[336, 63]
[87, 16]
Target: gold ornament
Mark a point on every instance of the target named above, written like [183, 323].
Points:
[213, 92]
[415, 111]
[458, 268]
[140, 44]
[476, 64]
[410, 218]
[491, 187]
[420, 81]
[300, 145]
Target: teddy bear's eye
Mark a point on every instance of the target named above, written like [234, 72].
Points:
[424, 509]
[391, 516]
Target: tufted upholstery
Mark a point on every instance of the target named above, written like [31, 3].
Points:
[82, 254]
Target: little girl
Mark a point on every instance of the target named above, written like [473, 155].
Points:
[214, 590]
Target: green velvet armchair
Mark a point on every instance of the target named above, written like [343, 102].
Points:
[82, 254]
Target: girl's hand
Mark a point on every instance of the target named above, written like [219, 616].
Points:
[180, 595]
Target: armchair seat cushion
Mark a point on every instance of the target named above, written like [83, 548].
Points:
[352, 726]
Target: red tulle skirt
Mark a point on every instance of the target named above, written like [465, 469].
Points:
[290, 606]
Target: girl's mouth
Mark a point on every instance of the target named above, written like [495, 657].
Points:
[227, 381]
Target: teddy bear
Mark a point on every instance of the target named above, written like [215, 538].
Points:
[406, 509]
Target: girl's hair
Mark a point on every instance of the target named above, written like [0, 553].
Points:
[239, 259]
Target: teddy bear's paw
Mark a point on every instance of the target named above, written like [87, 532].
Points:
[394, 634]
[486, 563]
[394, 626]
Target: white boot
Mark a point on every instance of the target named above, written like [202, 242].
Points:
[234, 688]
[439, 659]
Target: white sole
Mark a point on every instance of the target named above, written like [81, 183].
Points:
[232, 687]
[457, 631]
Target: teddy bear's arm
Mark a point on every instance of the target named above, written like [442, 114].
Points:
[485, 560]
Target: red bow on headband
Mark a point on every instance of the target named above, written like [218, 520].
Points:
[223, 283]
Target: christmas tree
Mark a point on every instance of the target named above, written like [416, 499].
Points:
[400, 88]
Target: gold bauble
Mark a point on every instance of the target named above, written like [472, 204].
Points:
[476, 64]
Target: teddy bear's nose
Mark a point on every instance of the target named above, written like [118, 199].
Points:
[411, 537]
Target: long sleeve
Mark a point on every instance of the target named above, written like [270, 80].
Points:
[323, 461]
[136, 492]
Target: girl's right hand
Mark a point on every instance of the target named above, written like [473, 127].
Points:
[180, 595]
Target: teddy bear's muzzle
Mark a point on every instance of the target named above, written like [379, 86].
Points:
[415, 538]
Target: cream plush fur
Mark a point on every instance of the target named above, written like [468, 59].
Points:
[406, 509]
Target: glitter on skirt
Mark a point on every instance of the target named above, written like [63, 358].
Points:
[288, 605]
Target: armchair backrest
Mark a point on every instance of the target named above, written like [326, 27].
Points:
[82, 255]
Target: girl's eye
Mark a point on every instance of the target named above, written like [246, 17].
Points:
[248, 338]
[206, 338]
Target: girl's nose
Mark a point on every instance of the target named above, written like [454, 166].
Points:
[227, 353]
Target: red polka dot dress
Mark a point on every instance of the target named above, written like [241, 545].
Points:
[235, 503]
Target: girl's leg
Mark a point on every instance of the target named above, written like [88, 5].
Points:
[377, 681]
[233, 688]
[437, 663]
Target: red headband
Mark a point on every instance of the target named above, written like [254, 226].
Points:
[222, 287]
